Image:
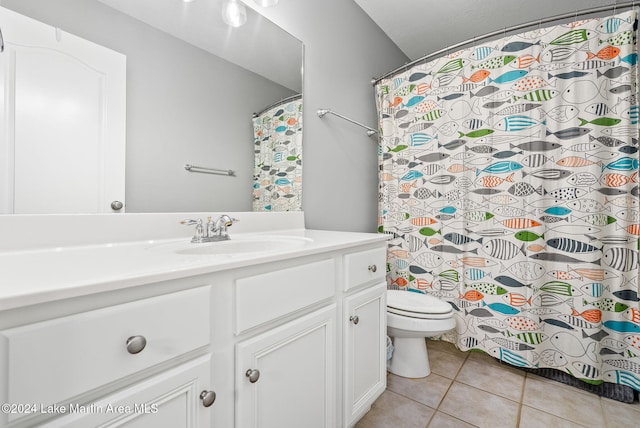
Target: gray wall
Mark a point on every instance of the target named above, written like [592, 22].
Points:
[344, 49]
[183, 106]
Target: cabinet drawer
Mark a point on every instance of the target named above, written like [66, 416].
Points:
[56, 360]
[268, 296]
[364, 266]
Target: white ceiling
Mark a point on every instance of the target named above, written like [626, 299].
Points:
[421, 27]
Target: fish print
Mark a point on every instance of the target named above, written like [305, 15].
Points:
[522, 208]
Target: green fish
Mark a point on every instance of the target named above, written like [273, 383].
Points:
[527, 236]
[591, 381]
[597, 219]
[453, 65]
[494, 63]
[624, 38]
[451, 274]
[607, 305]
[432, 115]
[404, 91]
[537, 95]
[397, 149]
[427, 231]
[530, 338]
[558, 287]
[477, 215]
[601, 121]
[487, 288]
[477, 134]
[572, 37]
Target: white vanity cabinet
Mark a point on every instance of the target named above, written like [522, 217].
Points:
[365, 332]
[290, 340]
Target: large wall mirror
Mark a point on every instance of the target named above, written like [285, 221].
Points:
[198, 92]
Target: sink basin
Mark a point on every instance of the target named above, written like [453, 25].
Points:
[237, 246]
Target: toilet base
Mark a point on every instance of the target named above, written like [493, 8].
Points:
[410, 358]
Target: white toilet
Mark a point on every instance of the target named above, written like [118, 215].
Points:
[411, 317]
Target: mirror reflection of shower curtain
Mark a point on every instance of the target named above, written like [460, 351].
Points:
[277, 178]
[509, 181]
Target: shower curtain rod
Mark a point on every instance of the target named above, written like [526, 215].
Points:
[621, 5]
[324, 111]
[284, 100]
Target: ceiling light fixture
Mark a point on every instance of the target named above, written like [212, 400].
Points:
[234, 13]
[267, 3]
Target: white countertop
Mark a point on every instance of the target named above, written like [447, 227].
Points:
[33, 276]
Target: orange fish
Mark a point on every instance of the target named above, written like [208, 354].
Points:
[471, 295]
[536, 247]
[520, 223]
[605, 54]
[476, 77]
[291, 121]
[529, 83]
[594, 274]
[617, 180]
[458, 167]
[435, 241]
[634, 229]
[400, 282]
[423, 284]
[400, 254]
[591, 315]
[632, 314]
[475, 262]
[422, 221]
[525, 61]
[422, 88]
[493, 181]
[561, 274]
[388, 177]
[515, 299]
[426, 106]
[633, 340]
[576, 161]
[405, 187]
[396, 101]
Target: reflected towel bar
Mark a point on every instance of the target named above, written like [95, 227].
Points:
[324, 111]
[206, 170]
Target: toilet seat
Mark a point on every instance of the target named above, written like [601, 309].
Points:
[417, 305]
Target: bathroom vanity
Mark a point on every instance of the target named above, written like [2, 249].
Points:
[277, 327]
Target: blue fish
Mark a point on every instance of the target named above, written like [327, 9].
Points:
[570, 75]
[509, 76]
[510, 282]
[557, 323]
[512, 358]
[623, 164]
[282, 181]
[557, 211]
[517, 123]
[448, 210]
[419, 139]
[631, 59]
[414, 100]
[622, 326]
[500, 167]
[281, 128]
[518, 46]
[502, 308]
[624, 378]
[411, 175]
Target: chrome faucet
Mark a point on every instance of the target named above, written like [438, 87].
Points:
[214, 230]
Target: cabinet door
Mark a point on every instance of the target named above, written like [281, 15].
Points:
[286, 376]
[365, 334]
[169, 400]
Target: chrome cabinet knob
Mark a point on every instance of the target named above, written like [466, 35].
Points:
[354, 319]
[117, 205]
[208, 398]
[253, 375]
[135, 344]
[373, 268]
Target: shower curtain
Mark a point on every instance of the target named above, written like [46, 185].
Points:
[277, 178]
[509, 181]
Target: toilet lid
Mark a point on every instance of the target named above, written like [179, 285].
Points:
[417, 303]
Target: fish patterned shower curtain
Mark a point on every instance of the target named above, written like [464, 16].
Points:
[509, 181]
[277, 178]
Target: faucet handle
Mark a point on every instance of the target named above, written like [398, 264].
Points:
[191, 222]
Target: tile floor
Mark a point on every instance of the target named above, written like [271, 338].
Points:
[472, 389]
